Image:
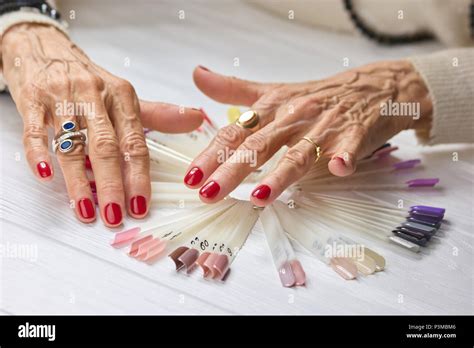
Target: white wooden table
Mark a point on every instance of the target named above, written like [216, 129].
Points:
[74, 270]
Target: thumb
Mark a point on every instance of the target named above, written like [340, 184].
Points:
[228, 89]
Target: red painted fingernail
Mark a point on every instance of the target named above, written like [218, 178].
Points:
[96, 200]
[86, 208]
[138, 205]
[88, 162]
[210, 190]
[194, 176]
[44, 169]
[113, 213]
[262, 192]
[204, 68]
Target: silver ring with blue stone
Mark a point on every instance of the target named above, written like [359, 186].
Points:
[66, 139]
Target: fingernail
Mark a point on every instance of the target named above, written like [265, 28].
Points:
[88, 162]
[262, 192]
[44, 169]
[138, 205]
[86, 208]
[113, 213]
[210, 190]
[194, 176]
[204, 68]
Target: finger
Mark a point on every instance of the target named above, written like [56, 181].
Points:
[104, 153]
[227, 89]
[257, 149]
[343, 162]
[135, 157]
[227, 140]
[169, 118]
[35, 139]
[294, 165]
[73, 167]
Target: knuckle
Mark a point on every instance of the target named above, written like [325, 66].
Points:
[256, 142]
[123, 87]
[296, 158]
[33, 132]
[110, 185]
[90, 81]
[229, 136]
[105, 144]
[134, 144]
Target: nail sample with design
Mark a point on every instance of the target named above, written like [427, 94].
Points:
[287, 276]
[194, 176]
[262, 192]
[138, 205]
[113, 214]
[210, 190]
[86, 208]
[44, 170]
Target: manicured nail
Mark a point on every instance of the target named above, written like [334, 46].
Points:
[210, 190]
[194, 176]
[88, 162]
[113, 213]
[138, 205]
[204, 68]
[44, 169]
[86, 208]
[262, 192]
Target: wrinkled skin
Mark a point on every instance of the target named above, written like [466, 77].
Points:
[341, 114]
[42, 68]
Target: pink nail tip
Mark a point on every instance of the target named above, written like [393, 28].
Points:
[220, 265]
[176, 254]
[422, 182]
[299, 273]
[136, 245]
[145, 247]
[124, 237]
[406, 164]
[209, 264]
[155, 252]
[188, 258]
[287, 276]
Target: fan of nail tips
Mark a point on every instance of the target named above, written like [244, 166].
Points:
[208, 237]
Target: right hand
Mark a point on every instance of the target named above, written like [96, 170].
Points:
[45, 71]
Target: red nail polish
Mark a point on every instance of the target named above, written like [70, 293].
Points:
[138, 205]
[88, 162]
[86, 208]
[210, 190]
[204, 68]
[44, 169]
[262, 192]
[194, 176]
[93, 186]
[113, 213]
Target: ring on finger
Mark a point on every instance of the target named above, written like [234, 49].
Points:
[66, 139]
[249, 120]
[317, 148]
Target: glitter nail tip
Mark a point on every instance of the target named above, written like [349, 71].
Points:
[287, 276]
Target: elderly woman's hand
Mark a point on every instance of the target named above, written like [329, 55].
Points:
[52, 81]
[343, 114]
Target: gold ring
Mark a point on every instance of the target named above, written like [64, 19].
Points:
[249, 120]
[317, 148]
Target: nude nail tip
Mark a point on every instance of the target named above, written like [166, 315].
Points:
[345, 268]
[124, 237]
[200, 262]
[175, 254]
[136, 244]
[145, 248]
[299, 273]
[225, 276]
[155, 251]
[209, 263]
[287, 276]
[188, 258]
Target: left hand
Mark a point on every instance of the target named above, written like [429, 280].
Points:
[341, 114]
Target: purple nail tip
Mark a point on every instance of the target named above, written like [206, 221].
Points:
[422, 182]
[428, 209]
[406, 164]
[434, 218]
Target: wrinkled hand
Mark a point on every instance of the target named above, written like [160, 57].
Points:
[52, 81]
[341, 114]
